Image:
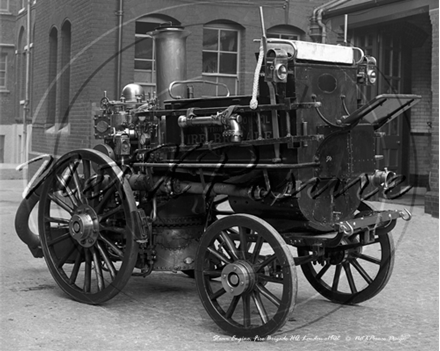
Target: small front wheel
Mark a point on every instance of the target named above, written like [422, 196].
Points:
[356, 272]
[246, 276]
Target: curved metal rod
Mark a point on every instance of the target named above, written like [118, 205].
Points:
[180, 82]
[405, 214]
[322, 116]
[362, 54]
[344, 106]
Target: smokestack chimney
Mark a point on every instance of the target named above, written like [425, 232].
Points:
[170, 61]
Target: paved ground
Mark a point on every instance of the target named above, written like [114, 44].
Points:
[163, 311]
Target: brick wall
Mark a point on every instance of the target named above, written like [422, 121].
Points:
[7, 39]
[432, 197]
[53, 14]
[421, 115]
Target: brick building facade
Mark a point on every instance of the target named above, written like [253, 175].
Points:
[12, 79]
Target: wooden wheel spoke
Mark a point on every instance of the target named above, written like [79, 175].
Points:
[61, 203]
[110, 213]
[76, 268]
[267, 261]
[103, 201]
[70, 193]
[63, 260]
[98, 270]
[212, 274]
[246, 310]
[217, 294]
[87, 271]
[229, 246]
[260, 307]
[323, 271]
[56, 220]
[257, 249]
[350, 279]
[268, 278]
[361, 271]
[232, 307]
[87, 169]
[268, 295]
[243, 243]
[112, 229]
[336, 277]
[219, 255]
[113, 247]
[77, 182]
[369, 258]
[109, 264]
[59, 238]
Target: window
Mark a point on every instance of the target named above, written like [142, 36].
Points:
[220, 51]
[220, 57]
[144, 51]
[144, 63]
[65, 77]
[4, 5]
[2, 148]
[283, 36]
[3, 69]
[52, 83]
[285, 31]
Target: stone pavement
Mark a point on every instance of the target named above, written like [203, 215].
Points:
[8, 171]
[163, 311]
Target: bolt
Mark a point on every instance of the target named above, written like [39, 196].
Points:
[232, 290]
[235, 268]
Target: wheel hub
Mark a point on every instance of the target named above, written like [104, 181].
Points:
[344, 256]
[238, 277]
[84, 226]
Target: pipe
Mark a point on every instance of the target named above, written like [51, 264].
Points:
[383, 178]
[243, 166]
[317, 17]
[345, 29]
[26, 106]
[120, 14]
[314, 21]
[223, 118]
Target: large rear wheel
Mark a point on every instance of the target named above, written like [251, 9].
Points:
[86, 226]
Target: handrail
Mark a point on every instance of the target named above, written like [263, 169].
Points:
[179, 82]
